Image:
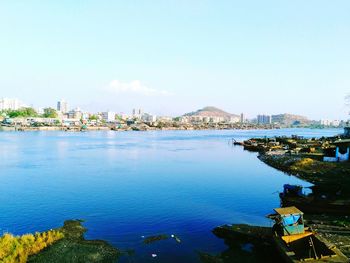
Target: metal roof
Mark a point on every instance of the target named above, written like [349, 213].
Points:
[288, 210]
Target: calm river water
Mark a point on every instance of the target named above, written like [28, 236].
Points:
[126, 185]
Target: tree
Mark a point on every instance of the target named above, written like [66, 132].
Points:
[93, 117]
[50, 113]
[23, 112]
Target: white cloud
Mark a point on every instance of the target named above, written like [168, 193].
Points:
[135, 87]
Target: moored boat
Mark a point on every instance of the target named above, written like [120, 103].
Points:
[297, 243]
[293, 195]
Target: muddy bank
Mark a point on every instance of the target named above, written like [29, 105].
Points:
[74, 248]
[329, 178]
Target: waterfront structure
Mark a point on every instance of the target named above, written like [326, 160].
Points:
[10, 104]
[264, 119]
[62, 106]
[342, 152]
[108, 116]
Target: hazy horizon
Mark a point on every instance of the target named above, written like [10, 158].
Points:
[173, 57]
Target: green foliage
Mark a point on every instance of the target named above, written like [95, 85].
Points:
[16, 249]
[93, 117]
[23, 112]
[50, 113]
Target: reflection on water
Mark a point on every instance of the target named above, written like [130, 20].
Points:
[132, 184]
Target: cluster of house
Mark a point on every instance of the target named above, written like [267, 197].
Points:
[76, 116]
[333, 123]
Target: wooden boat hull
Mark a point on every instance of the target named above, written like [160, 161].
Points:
[300, 251]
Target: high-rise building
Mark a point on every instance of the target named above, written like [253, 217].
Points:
[264, 119]
[137, 113]
[242, 118]
[9, 104]
[62, 106]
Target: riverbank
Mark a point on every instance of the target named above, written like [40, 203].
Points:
[64, 244]
[330, 195]
[144, 127]
[74, 248]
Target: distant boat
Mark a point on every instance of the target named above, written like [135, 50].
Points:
[297, 243]
[292, 195]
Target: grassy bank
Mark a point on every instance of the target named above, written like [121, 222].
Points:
[74, 248]
[63, 245]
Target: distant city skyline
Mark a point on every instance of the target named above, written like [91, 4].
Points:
[63, 106]
[172, 57]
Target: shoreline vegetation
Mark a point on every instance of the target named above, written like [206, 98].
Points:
[64, 244]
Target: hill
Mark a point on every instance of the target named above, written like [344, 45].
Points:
[289, 119]
[211, 111]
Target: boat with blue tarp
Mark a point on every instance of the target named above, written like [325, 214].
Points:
[297, 243]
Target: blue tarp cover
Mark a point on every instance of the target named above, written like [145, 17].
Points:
[290, 220]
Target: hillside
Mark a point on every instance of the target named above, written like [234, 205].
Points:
[210, 111]
[289, 119]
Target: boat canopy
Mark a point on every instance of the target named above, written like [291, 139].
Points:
[290, 220]
[283, 211]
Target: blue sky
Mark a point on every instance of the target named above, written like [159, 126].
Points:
[172, 57]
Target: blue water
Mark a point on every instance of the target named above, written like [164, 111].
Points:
[131, 184]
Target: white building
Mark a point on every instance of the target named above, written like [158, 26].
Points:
[334, 123]
[149, 117]
[137, 113]
[75, 114]
[108, 116]
[62, 106]
[232, 119]
[10, 104]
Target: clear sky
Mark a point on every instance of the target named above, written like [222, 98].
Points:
[176, 56]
